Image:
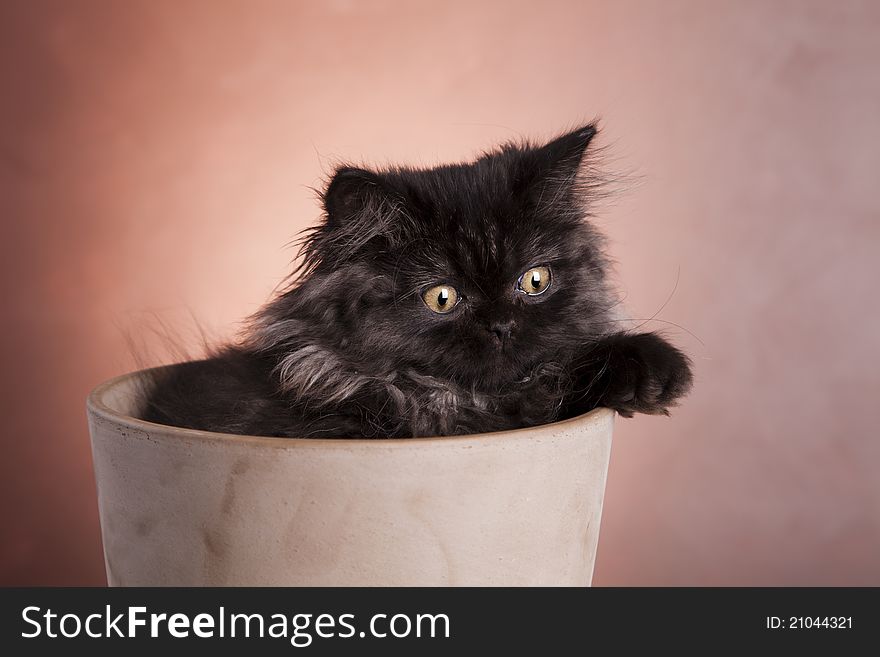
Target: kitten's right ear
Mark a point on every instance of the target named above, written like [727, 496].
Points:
[350, 191]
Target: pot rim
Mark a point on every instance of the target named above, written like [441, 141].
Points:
[97, 406]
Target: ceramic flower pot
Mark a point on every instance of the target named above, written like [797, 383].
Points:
[183, 507]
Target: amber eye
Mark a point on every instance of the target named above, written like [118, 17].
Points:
[535, 281]
[440, 298]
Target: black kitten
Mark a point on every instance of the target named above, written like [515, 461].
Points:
[461, 299]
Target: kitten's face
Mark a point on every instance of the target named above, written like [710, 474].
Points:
[478, 272]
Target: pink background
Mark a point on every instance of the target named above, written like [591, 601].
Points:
[155, 157]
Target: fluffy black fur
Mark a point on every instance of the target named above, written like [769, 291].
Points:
[352, 350]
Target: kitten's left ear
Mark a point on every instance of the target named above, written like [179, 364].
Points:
[562, 157]
[549, 173]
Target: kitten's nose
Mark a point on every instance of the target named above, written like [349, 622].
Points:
[501, 330]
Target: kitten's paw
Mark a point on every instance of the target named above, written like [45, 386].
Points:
[647, 375]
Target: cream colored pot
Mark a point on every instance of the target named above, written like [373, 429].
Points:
[183, 507]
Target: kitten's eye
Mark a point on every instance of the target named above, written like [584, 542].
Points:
[535, 281]
[440, 298]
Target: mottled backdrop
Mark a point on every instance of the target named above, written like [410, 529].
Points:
[155, 158]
